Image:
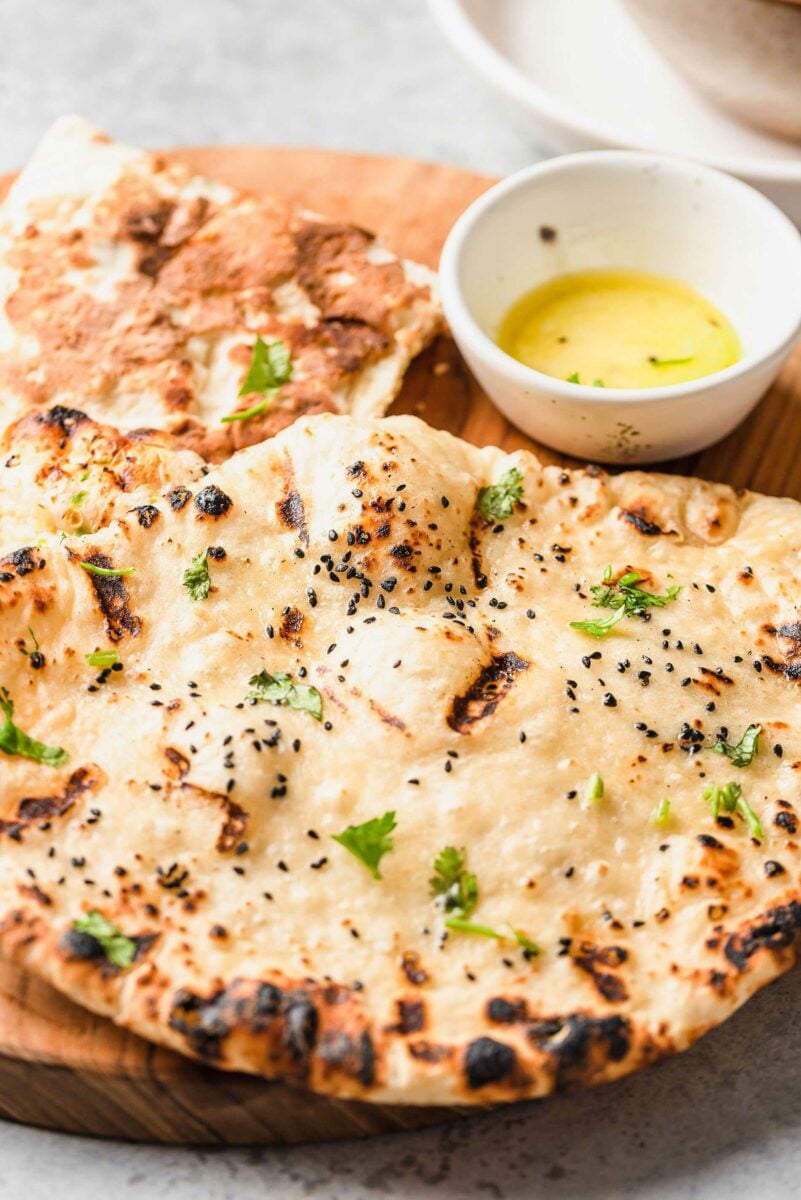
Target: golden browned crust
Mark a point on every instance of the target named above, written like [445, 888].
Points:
[461, 700]
[143, 296]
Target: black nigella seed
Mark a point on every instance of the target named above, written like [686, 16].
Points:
[610, 701]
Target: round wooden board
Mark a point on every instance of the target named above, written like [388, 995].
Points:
[64, 1068]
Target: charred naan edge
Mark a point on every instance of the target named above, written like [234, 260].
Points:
[37, 809]
[164, 338]
[59, 470]
[471, 710]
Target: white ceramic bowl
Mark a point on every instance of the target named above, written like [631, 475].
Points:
[625, 210]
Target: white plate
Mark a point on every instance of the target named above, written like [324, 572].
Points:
[586, 78]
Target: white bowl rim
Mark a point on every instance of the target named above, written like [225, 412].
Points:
[461, 318]
[509, 79]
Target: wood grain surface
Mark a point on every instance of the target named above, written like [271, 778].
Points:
[64, 1068]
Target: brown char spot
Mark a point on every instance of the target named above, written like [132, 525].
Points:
[291, 510]
[33, 809]
[789, 666]
[485, 693]
[112, 598]
[412, 969]
[291, 627]
[235, 820]
[429, 1052]
[596, 961]
[411, 1017]
[389, 718]
[179, 763]
[641, 520]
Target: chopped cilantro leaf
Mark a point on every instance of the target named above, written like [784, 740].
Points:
[24, 649]
[752, 820]
[197, 580]
[745, 751]
[103, 659]
[460, 924]
[244, 414]
[530, 949]
[594, 790]
[730, 798]
[625, 598]
[370, 841]
[601, 627]
[270, 368]
[93, 569]
[79, 499]
[497, 502]
[14, 741]
[661, 812]
[598, 383]
[118, 949]
[725, 797]
[453, 882]
[574, 378]
[279, 689]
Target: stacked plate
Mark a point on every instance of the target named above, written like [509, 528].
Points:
[585, 75]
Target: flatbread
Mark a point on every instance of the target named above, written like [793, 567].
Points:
[455, 694]
[61, 472]
[135, 291]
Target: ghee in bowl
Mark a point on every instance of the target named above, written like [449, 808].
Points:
[619, 329]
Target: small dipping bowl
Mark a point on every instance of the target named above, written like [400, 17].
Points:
[623, 210]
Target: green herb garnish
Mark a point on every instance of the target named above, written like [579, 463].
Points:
[279, 689]
[270, 368]
[460, 924]
[370, 841]
[79, 499]
[93, 569]
[497, 502]
[730, 798]
[754, 824]
[661, 812]
[197, 580]
[601, 627]
[530, 949]
[453, 882]
[118, 949]
[574, 378]
[103, 659]
[745, 751]
[24, 649]
[14, 741]
[594, 790]
[598, 383]
[625, 598]
[669, 362]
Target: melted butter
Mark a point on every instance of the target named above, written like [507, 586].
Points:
[623, 329]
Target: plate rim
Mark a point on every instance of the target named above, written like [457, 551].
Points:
[500, 72]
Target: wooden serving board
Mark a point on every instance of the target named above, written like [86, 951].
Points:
[63, 1068]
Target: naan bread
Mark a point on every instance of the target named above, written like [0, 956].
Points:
[62, 472]
[455, 694]
[134, 291]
